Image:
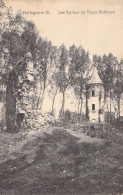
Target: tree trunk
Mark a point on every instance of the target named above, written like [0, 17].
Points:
[107, 108]
[42, 99]
[52, 112]
[78, 106]
[81, 98]
[80, 110]
[44, 87]
[38, 101]
[110, 108]
[118, 110]
[62, 107]
[10, 106]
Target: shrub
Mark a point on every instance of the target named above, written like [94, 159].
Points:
[67, 115]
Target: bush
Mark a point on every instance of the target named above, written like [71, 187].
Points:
[67, 115]
[97, 130]
[72, 117]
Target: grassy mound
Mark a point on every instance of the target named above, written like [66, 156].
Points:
[57, 160]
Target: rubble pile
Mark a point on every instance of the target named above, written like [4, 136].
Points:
[34, 119]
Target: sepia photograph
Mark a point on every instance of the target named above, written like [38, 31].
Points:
[61, 97]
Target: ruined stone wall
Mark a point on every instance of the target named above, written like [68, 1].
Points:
[17, 93]
[35, 119]
[19, 113]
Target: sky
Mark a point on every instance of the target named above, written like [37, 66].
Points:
[77, 22]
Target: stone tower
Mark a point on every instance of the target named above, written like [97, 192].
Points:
[95, 98]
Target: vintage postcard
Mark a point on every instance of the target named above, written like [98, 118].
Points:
[61, 97]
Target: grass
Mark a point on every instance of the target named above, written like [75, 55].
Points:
[58, 160]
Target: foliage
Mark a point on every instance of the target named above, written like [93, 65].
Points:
[110, 71]
[61, 76]
[79, 62]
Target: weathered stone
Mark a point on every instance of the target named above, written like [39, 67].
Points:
[20, 79]
[30, 77]
[17, 94]
[34, 119]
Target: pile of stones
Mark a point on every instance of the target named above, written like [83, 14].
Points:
[35, 119]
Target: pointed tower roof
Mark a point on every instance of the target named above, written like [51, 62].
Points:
[95, 79]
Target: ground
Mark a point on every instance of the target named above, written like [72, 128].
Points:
[61, 160]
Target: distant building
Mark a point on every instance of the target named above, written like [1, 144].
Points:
[95, 98]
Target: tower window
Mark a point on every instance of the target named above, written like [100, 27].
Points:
[93, 106]
[93, 93]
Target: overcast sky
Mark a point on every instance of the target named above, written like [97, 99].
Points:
[97, 33]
